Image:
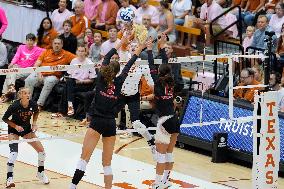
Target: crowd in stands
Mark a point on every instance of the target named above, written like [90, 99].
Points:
[75, 36]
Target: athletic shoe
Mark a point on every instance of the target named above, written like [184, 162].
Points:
[10, 183]
[42, 177]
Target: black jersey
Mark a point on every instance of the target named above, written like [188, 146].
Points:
[21, 116]
[106, 100]
[164, 95]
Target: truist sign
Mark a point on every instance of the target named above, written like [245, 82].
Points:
[266, 141]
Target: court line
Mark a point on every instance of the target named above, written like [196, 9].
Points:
[124, 145]
[52, 172]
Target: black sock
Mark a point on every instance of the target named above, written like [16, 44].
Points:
[10, 170]
[77, 176]
[40, 169]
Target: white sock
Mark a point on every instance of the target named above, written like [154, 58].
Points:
[166, 176]
[158, 179]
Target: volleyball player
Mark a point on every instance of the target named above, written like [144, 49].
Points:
[105, 110]
[168, 127]
[22, 110]
[131, 97]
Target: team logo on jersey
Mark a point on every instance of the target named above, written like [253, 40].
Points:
[110, 90]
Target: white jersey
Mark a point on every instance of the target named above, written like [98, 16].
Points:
[131, 84]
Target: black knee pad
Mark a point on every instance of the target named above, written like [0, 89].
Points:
[14, 147]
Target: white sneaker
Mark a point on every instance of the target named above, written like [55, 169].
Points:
[154, 152]
[10, 182]
[42, 177]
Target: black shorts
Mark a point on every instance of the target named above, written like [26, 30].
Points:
[172, 125]
[105, 126]
[26, 131]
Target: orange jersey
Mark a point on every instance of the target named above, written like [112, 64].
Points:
[49, 58]
[79, 25]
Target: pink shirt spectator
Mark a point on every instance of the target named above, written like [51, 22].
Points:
[229, 19]
[151, 10]
[211, 12]
[58, 18]
[3, 21]
[276, 24]
[91, 7]
[82, 74]
[26, 57]
[247, 42]
[107, 46]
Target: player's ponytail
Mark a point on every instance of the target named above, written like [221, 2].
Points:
[165, 75]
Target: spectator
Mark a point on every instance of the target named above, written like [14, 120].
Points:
[180, 9]
[95, 49]
[111, 42]
[59, 15]
[146, 21]
[69, 40]
[3, 21]
[145, 9]
[3, 62]
[89, 37]
[247, 78]
[281, 95]
[106, 16]
[91, 9]
[249, 37]
[166, 21]
[258, 74]
[280, 50]
[124, 6]
[79, 80]
[259, 35]
[79, 21]
[25, 56]
[252, 7]
[277, 19]
[50, 57]
[209, 11]
[46, 33]
[274, 81]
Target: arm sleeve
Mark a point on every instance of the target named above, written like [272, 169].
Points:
[8, 112]
[164, 56]
[127, 67]
[108, 56]
[153, 69]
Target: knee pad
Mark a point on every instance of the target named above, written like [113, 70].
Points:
[161, 158]
[140, 127]
[41, 156]
[14, 147]
[107, 170]
[169, 157]
[82, 164]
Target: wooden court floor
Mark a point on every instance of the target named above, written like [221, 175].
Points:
[186, 162]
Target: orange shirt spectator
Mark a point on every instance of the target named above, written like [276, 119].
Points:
[46, 33]
[48, 38]
[49, 58]
[247, 78]
[253, 4]
[107, 12]
[79, 25]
